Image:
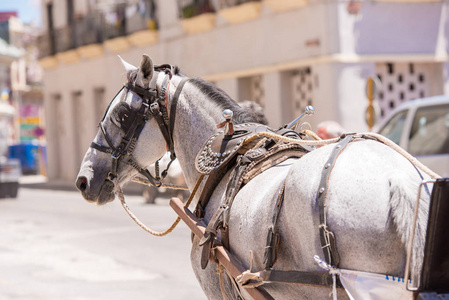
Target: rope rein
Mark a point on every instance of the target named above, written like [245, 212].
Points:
[119, 193]
[144, 181]
[319, 142]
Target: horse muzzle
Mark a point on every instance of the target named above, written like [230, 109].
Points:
[100, 193]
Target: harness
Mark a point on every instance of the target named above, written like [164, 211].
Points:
[224, 152]
[132, 122]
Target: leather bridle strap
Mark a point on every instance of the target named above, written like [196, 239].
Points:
[142, 92]
[173, 105]
[150, 108]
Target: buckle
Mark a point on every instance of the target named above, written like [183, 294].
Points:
[111, 176]
[116, 154]
[154, 107]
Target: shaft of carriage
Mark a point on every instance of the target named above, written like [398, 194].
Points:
[232, 266]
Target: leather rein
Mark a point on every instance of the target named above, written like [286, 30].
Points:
[154, 105]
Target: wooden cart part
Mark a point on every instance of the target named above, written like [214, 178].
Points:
[232, 266]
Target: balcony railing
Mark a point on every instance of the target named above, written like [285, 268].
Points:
[193, 8]
[222, 4]
[94, 28]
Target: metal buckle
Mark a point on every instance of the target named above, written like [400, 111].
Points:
[116, 154]
[154, 107]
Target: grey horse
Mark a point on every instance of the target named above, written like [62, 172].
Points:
[370, 202]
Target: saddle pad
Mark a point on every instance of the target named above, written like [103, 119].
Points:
[220, 149]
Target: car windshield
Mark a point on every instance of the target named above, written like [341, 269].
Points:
[430, 131]
[393, 129]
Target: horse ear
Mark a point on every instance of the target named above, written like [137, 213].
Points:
[146, 70]
[128, 67]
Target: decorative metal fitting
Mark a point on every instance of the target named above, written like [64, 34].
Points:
[227, 114]
[227, 124]
[309, 111]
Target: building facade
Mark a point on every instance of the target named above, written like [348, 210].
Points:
[8, 134]
[283, 54]
[25, 93]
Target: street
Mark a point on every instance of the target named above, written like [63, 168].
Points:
[55, 245]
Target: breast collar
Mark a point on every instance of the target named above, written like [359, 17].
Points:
[154, 105]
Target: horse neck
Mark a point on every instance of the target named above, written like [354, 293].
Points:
[196, 120]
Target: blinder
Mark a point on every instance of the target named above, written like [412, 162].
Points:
[132, 121]
[123, 116]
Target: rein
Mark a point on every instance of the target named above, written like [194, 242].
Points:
[120, 195]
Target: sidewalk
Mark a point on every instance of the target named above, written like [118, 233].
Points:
[42, 182]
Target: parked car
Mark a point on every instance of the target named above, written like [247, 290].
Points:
[421, 127]
[9, 177]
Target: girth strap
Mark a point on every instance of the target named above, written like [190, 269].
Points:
[327, 238]
[303, 277]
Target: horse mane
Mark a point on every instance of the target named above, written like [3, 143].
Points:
[221, 99]
[241, 114]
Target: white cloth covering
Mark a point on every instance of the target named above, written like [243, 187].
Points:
[367, 286]
[362, 285]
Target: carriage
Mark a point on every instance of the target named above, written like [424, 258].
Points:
[346, 218]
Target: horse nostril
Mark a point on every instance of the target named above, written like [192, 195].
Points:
[81, 183]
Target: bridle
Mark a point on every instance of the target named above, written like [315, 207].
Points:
[154, 105]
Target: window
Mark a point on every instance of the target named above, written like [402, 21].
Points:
[80, 128]
[393, 129]
[99, 104]
[430, 131]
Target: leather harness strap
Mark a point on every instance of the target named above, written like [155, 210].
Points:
[174, 103]
[327, 238]
[220, 219]
[270, 257]
[273, 238]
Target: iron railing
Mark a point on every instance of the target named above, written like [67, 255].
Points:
[193, 8]
[96, 27]
[222, 4]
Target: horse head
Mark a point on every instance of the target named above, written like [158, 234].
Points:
[128, 139]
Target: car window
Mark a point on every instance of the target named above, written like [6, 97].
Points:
[393, 129]
[430, 131]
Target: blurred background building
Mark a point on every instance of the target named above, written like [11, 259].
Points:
[21, 88]
[282, 54]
